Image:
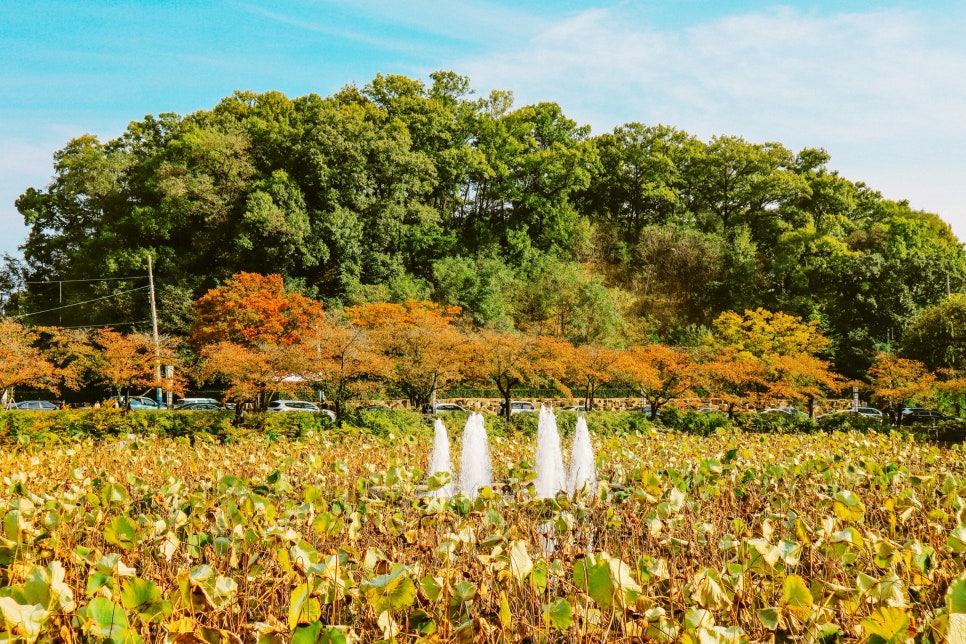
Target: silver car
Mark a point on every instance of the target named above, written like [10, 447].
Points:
[299, 405]
[35, 405]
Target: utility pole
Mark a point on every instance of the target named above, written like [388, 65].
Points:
[154, 333]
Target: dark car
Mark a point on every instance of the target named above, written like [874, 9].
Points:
[182, 404]
[374, 407]
[35, 405]
[137, 402]
[201, 406]
[912, 416]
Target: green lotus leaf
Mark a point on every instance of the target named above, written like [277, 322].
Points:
[307, 634]
[392, 592]
[121, 531]
[559, 613]
[136, 592]
[113, 494]
[769, 617]
[105, 619]
[45, 586]
[462, 592]
[432, 586]
[887, 626]
[957, 539]
[303, 608]
[956, 596]
[594, 578]
[797, 598]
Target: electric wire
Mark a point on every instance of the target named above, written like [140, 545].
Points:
[67, 306]
[91, 279]
[99, 326]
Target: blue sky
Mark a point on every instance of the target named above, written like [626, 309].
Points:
[880, 85]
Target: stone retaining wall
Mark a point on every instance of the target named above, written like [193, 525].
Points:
[491, 405]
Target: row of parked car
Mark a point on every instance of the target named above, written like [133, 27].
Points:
[909, 416]
[185, 404]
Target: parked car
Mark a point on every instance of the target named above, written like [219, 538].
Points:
[137, 402]
[441, 408]
[577, 408]
[868, 412]
[299, 405]
[912, 416]
[373, 407]
[36, 405]
[201, 406]
[788, 411]
[516, 406]
[191, 401]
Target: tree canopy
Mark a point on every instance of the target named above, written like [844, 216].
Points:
[419, 189]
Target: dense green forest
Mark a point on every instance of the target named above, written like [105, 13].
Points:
[521, 216]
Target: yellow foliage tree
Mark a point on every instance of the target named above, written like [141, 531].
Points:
[768, 355]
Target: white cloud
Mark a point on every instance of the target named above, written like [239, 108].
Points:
[862, 85]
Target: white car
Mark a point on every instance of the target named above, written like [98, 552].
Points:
[299, 405]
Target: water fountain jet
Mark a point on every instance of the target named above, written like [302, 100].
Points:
[439, 460]
[549, 458]
[475, 468]
[583, 472]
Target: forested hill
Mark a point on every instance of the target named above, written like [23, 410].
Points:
[521, 216]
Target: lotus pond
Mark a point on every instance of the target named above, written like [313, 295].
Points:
[732, 537]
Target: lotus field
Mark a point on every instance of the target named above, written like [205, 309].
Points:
[734, 537]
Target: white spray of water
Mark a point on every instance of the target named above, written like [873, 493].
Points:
[583, 472]
[549, 459]
[439, 459]
[475, 468]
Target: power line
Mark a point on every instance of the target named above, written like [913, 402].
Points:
[99, 326]
[92, 279]
[67, 306]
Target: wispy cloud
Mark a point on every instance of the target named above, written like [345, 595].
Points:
[875, 88]
[855, 75]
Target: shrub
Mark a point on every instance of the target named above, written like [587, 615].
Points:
[851, 422]
[692, 422]
[776, 423]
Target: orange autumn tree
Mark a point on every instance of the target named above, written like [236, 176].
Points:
[507, 360]
[254, 374]
[128, 361]
[71, 352]
[341, 359]
[585, 366]
[251, 309]
[803, 377]
[734, 376]
[426, 349]
[21, 362]
[901, 381]
[659, 372]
